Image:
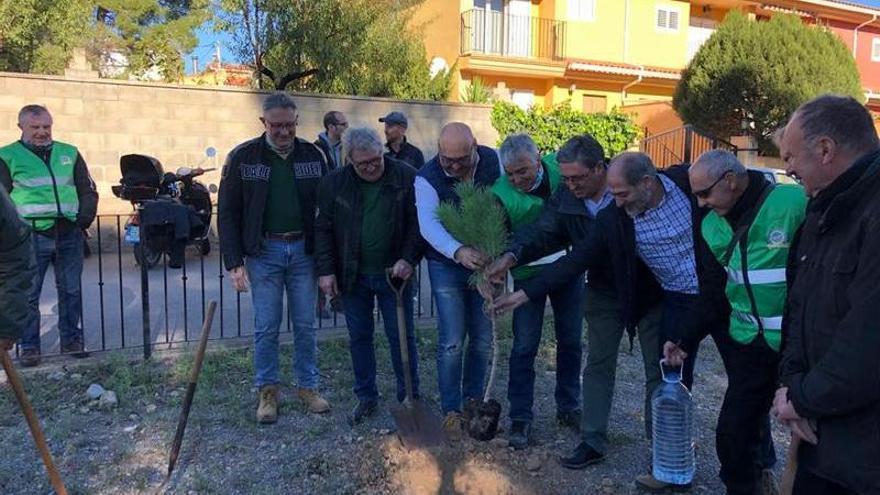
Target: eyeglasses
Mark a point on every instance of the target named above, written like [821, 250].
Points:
[366, 163]
[704, 193]
[464, 161]
[340, 124]
[287, 126]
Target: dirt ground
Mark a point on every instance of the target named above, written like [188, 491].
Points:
[124, 450]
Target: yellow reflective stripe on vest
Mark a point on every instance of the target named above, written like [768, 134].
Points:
[767, 276]
[768, 322]
[46, 209]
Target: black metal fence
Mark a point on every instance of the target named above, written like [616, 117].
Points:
[126, 305]
[506, 35]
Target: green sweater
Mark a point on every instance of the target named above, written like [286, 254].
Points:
[375, 228]
[283, 212]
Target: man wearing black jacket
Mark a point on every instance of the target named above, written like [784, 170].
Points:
[568, 218]
[367, 227]
[266, 223]
[17, 271]
[49, 183]
[397, 146]
[657, 221]
[831, 335]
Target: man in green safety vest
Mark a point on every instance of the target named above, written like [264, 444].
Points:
[749, 230]
[528, 182]
[49, 183]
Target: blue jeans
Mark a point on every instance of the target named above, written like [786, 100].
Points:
[65, 253]
[459, 315]
[528, 324]
[284, 265]
[358, 304]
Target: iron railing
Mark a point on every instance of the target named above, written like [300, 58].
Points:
[682, 145]
[126, 306]
[505, 35]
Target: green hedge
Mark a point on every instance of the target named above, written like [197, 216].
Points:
[550, 129]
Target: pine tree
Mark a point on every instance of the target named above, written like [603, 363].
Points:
[759, 73]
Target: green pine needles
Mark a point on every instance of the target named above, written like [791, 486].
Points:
[478, 221]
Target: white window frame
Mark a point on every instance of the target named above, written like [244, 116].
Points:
[668, 9]
[875, 49]
[517, 96]
[576, 8]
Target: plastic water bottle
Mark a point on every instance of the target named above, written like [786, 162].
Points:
[672, 414]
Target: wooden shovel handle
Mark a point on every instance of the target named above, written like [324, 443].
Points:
[33, 423]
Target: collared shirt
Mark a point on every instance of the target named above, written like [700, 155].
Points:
[336, 149]
[593, 207]
[665, 240]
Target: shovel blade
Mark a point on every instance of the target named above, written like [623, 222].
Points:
[417, 425]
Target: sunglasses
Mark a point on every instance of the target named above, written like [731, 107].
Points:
[704, 193]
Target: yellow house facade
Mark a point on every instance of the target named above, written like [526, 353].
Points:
[600, 54]
[595, 54]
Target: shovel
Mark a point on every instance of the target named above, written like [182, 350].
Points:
[417, 425]
[33, 423]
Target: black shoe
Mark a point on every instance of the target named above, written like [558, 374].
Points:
[648, 483]
[571, 419]
[519, 435]
[583, 456]
[75, 349]
[29, 357]
[363, 410]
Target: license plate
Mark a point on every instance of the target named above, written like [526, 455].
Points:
[132, 234]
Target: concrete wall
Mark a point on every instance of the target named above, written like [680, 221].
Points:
[107, 119]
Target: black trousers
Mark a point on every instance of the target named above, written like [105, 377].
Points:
[743, 425]
[807, 483]
[742, 441]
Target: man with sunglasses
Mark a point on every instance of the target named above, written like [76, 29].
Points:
[266, 224]
[749, 230]
[569, 217]
[460, 313]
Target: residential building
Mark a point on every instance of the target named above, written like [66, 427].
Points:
[600, 54]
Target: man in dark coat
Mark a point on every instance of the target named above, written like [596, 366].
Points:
[17, 270]
[831, 336]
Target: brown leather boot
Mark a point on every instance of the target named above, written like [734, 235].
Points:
[29, 357]
[313, 402]
[267, 412]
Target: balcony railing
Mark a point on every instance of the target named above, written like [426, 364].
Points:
[496, 33]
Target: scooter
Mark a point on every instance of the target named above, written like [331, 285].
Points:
[144, 182]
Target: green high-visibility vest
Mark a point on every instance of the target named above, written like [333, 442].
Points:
[42, 193]
[763, 266]
[523, 208]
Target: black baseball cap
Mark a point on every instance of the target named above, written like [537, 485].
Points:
[395, 118]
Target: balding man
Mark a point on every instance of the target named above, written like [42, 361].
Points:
[655, 223]
[49, 183]
[450, 265]
[749, 230]
[831, 349]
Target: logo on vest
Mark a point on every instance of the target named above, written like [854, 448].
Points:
[254, 171]
[777, 238]
[66, 160]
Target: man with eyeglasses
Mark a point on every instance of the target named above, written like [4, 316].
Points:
[749, 230]
[569, 217]
[397, 146]
[460, 313]
[330, 141]
[655, 223]
[367, 228]
[266, 222]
